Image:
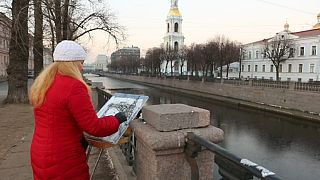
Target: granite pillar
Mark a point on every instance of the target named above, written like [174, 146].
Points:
[161, 142]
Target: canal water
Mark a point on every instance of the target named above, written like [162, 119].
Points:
[289, 147]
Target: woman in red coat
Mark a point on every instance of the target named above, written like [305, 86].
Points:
[63, 111]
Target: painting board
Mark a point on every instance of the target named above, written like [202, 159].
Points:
[130, 104]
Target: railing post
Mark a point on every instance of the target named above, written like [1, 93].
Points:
[292, 85]
[191, 152]
[250, 82]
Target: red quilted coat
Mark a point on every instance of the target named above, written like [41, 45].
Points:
[67, 112]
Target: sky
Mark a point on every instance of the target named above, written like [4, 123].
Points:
[244, 21]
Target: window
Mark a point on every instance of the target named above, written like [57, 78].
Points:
[271, 68]
[299, 79]
[262, 77]
[257, 54]
[242, 68]
[168, 27]
[300, 68]
[271, 78]
[256, 68]
[310, 80]
[288, 79]
[249, 55]
[176, 27]
[314, 50]
[176, 46]
[301, 51]
[263, 68]
[289, 68]
[248, 68]
[291, 51]
[280, 68]
[311, 68]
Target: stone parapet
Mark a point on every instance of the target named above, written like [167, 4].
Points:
[157, 140]
[161, 154]
[175, 117]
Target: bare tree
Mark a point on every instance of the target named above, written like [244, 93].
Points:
[169, 56]
[182, 56]
[74, 19]
[18, 54]
[242, 53]
[221, 40]
[38, 38]
[191, 58]
[212, 52]
[279, 49]
[232, 53]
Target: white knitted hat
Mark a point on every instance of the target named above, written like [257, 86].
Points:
[69, 51]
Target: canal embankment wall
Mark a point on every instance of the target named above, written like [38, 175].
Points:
[302, 104]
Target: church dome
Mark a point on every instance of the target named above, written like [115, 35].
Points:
[317, 26]
[286, 27]
[174, 12]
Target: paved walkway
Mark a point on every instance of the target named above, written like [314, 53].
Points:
[16, 129]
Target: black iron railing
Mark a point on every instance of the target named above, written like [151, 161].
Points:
[230, 165]
[103, 97]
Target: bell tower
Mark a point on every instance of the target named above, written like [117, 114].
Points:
[174, 38]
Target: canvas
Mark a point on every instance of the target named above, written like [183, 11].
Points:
[130, 104]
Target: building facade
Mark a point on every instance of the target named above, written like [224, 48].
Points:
[126, 60]
[174, 39]
[101, 63]
[5, 24]
[126, 53]
[303, 65]
[5, 34]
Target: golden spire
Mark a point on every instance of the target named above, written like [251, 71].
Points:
[174, 11]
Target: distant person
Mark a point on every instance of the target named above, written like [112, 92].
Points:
[63, 111]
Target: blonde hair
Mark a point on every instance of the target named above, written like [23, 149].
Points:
[44, 80]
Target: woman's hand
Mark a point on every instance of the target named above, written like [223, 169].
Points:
[121, 116]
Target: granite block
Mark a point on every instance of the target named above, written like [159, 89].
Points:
[171, 117]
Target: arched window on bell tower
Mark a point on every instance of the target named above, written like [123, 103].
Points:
[168, 27]
[176, 45]
[176, 27]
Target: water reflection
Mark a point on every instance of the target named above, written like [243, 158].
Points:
[289, 147]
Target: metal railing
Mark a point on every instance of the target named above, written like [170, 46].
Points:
[103, 97]
[307, 86]
[230, 166]
[272, 84]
